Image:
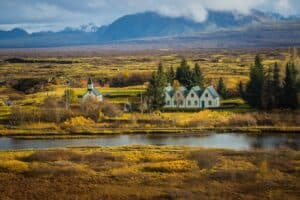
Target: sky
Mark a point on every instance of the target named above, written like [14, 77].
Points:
[43, 15]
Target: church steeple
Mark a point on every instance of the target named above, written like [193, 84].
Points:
[90, 84]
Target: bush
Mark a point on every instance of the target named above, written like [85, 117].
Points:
[123, 80]
[204, 159]
[21, 115]
[54, 155]
[59, 168]
[242, 120]
[78, 123]
[30, 85]
[13, 166]
[171, 166]
[110, 110]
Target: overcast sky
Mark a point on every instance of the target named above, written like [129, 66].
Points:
[36, 15]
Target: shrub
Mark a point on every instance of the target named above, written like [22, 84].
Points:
[123, 80]
[110, 110]
[13, 166]
[20, 115]
[171, 166]
[242, 120]
[101, 157]
[30, 85]
[51, 156]
[59, 168]
[78, 123]
[204, 159]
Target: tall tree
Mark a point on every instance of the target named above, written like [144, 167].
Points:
[221, 88]
[268, 92]
[197, 77]
[184, 75]
[171, 75]
[290, 89]
[254, 87]
[241, 90]
[155, 91]
[277, 89]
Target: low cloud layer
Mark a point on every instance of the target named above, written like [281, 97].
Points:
[36, 15]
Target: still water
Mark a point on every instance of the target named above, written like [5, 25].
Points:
[224, 140]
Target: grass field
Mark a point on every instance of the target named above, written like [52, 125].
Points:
[231, 64]
[149, 172]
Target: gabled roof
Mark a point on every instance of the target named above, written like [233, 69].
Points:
[90, 81]
[183, 90]
[197, 90]
[169, 90]
[95, 92]
[213, 92]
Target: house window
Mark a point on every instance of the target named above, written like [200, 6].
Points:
[181, 103]
[175, 102]
[196, 103]
[209, 103]
[192, 95]
[168, 102]
[206, 95]
[189, 102]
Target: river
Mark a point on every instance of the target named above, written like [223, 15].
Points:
[224, 140]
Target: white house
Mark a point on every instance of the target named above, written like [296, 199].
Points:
[193, 98]
[92, 92]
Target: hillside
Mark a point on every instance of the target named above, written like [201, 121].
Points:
[220, 29]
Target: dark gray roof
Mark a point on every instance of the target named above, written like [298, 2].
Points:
[90, 81]
[95, 92]
[170, 90]
[213, 92]
[197, 90]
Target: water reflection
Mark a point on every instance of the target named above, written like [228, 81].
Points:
[225, 140]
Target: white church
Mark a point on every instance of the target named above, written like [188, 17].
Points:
[92, 92]
[193, 98]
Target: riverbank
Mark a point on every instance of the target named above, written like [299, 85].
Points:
[150, 172]
[59, 133]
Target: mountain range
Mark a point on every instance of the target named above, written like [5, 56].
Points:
[150, 27]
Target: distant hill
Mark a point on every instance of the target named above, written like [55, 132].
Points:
[149, 25]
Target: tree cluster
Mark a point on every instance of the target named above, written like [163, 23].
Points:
[267, 90]
[183, 75]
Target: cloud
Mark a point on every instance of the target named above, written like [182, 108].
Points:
[56, 14]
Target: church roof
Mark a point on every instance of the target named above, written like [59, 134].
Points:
[90, 81]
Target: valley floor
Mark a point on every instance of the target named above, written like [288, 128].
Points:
[149, 172]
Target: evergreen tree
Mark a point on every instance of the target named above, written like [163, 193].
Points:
[290, 90]
[197, 77]
[155, 92]
[277, 90]
[268, 92]
[184, 75]
[254, 88]
[171, 75]
[222, 89]
[241, 90]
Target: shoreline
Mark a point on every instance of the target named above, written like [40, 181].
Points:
[63, 134]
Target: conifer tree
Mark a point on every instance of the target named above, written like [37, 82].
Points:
[171, 75]
[290, 90]
[241, 90]
[184, 75]
[155, 92]
[197, 77]
[222, 90]
[268, 92]
[277, 89]
[254, 87]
